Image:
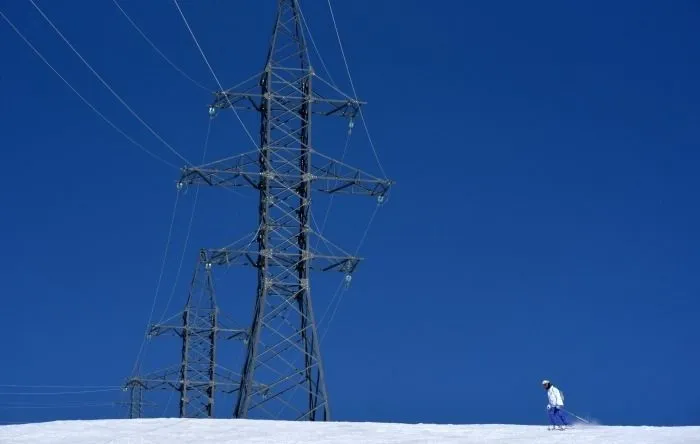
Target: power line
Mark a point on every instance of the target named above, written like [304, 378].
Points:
[155, 48]
[330, 200]
[48, 20]
[24, 386]
[354, 92]
[313, 42]
[189, 231]
[56, 406]
[160, 280]
[75, 91]
[201, 52]
[71, 392]
[343, 288]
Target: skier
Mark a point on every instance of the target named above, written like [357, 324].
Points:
[556, 405]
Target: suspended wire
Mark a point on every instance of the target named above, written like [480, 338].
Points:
[313, 42]
[167, 405]
[369, 225]
[54, 406]
[160, 280]
[201, 52]
[354, 92]
[330, 200]
[342, 287]
[75, 91]
[155, 48]
[71, 392]
[347, 138]
[204, 57]
[25, 386]
[189, 231]
[340, 291]
[38, 53]
[135, 143]
[108, 87]
[48, 20]
[330, 304]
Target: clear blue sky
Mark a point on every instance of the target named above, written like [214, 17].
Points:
[544, 223]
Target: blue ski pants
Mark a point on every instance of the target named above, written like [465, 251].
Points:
[555, 413]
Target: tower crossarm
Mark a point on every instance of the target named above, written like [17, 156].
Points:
[284, 259]
[345, 107]
[327, 175]
[179, 330]
[169, 379]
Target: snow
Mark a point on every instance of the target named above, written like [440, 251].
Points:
[220, 431]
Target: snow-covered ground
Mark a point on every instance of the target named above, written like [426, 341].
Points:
[220, 431]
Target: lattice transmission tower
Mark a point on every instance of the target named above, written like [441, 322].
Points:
[197, 377]
[282, 366]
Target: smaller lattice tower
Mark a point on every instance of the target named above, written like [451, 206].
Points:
[197, 377]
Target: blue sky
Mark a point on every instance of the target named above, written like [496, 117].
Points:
[544, 223]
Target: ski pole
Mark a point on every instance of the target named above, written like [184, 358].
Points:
[576, 416]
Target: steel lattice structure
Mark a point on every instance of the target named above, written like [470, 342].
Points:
[282, 366]
[197, 377]
[135, 404]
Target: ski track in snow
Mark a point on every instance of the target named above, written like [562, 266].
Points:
[222, 431]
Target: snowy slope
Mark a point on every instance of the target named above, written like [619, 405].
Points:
[219, 431]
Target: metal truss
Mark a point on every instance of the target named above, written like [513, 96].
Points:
[198, 376]
[283, 353]
[282, 375]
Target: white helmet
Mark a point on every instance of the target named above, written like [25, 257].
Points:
[545, 382]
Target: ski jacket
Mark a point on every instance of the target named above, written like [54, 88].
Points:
[556, 399]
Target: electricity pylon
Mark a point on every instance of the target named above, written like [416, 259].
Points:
[198, 376]
[135, 403]
[283, 351]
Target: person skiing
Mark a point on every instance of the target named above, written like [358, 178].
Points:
[555, 405]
